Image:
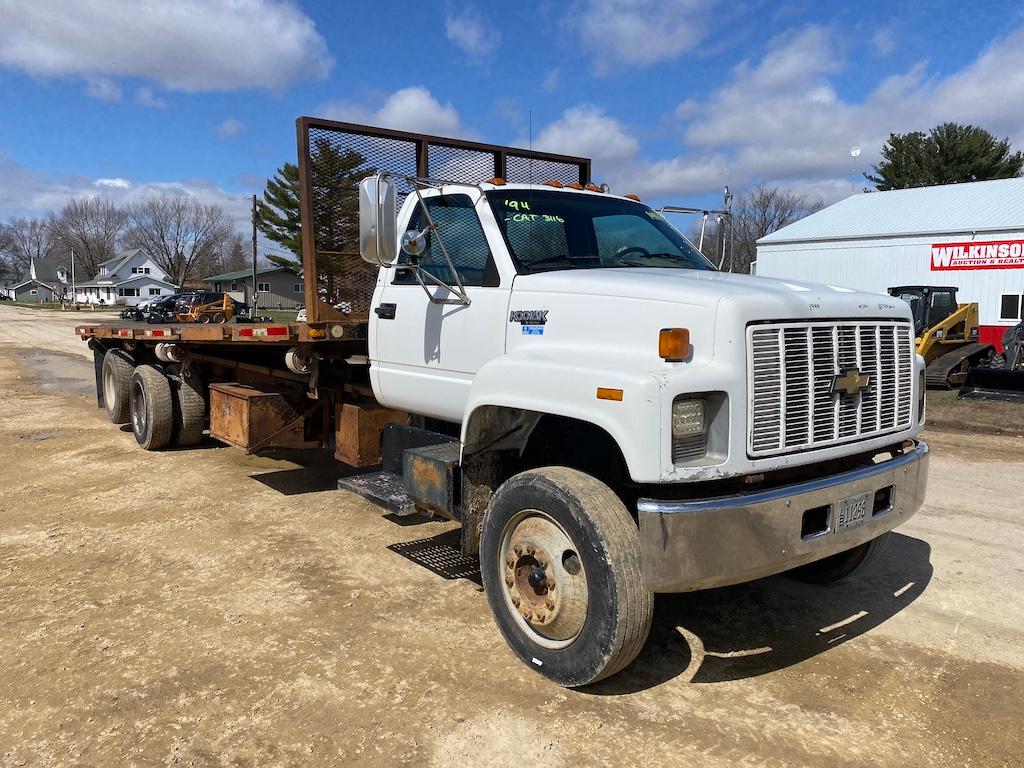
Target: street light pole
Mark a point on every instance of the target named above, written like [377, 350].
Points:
[254, 284]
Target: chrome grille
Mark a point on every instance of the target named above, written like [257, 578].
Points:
[792, 367]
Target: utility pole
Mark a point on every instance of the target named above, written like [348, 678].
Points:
[74, 292]
[254, 283]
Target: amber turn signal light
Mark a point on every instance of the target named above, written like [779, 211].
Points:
[674, 344]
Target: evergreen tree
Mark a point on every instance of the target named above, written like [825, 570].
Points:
[949, 154]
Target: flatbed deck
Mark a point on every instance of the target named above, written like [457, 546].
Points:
[348, 329]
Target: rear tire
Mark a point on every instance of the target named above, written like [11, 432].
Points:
[152, 408]
[189, 409]
[117, 385]
[220, 318]
[560, 559]
[840, 565]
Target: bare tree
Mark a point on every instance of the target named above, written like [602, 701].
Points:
[21, 240]
[92, 227]
[178, 232]
[760, 212]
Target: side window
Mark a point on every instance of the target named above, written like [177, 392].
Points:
[459, 226]
[942, 307]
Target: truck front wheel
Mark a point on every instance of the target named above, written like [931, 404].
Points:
[560, 559]
[841, 565]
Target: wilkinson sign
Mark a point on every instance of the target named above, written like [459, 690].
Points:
[994, 254]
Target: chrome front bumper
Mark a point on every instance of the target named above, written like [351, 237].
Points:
[690, 545]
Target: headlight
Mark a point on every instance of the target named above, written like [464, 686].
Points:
[687, 418]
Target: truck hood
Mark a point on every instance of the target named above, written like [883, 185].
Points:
[775, 297]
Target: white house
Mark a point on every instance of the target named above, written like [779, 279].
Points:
[970, 236]
[128, 278]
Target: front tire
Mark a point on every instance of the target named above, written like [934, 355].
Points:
[152, 408]
[560, 559]
[842, 564]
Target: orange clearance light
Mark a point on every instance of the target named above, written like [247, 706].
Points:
[574, 185]
[674, 344]
[605, 393]
[553, 183]
[497, 181]
[593, 188]
[631, 196]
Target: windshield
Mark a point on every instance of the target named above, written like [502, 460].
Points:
[554, 230]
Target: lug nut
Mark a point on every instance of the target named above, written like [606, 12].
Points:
[529, 549]
[515, 600]
[527, 613]
[541, 616]
[549, 604]
[518, 549]
[511, 561]
[509, 581]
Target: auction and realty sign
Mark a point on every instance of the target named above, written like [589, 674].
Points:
[992, 254]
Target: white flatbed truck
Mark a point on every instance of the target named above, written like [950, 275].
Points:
[557, 369]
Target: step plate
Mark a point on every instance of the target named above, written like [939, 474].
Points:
[382, 488]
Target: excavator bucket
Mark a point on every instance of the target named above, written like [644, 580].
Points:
[993, 384]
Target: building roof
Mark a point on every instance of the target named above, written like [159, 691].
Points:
[978, 206]
[115, 263]
[241, 274]
[46, 270]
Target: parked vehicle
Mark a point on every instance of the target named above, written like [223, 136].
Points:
[556, 368]
[5, 297]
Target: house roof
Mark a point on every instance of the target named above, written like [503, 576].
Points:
[977, 206]
[115, 263]
[46, 270]
[240, 274]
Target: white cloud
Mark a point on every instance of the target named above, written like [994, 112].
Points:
[115, 183]
[189, 45]
[145, 97]
[638, 33]
[103, 89]
[230, 127]
[468, 31]
[409, 109]
[781, 119]
[884, 42]
[551, 81]
[586, 130]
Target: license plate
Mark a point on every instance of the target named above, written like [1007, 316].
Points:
[853, 511]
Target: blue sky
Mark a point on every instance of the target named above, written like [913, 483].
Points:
[672, 99]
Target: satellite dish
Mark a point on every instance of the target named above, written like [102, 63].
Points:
[855, 152]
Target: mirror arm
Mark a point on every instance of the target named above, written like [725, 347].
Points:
[458, 289]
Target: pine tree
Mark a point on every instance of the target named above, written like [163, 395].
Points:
[949, 154]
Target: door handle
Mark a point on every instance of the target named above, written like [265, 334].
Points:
[386, 311]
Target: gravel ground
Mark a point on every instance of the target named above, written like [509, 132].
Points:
[204, 607]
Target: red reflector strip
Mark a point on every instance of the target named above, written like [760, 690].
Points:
[158, 332]
[125, 333]
[273, 330]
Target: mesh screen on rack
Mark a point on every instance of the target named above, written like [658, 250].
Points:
[338, 156]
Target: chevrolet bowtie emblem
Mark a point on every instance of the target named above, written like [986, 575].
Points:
[850, 382]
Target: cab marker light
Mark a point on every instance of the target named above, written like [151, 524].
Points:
[554, 183]
[607, 393]
[631, 196]
[674, 344]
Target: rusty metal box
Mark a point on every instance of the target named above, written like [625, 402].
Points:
[252, 418]
[358, 428]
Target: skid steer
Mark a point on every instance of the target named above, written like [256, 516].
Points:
[946, 334]
[1004, 383]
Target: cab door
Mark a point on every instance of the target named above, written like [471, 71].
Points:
[426, 345]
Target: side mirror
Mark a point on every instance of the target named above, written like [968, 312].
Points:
[378, 221]
[415, 243]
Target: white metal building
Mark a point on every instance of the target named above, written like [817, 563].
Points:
[966, 235]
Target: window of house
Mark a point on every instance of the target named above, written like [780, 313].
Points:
[464, 239]
[34, 292]
[135, 270]
[234, 287]
[154, 291]
[263, 287]
[146, 270]
[297, 288]
[1010, 306]
[128, 292]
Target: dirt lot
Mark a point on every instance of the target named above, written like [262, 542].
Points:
[207, 608]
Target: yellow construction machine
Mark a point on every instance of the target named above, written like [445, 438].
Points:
[947, 334]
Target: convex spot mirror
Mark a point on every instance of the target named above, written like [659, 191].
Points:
[415, 243]
[378, 221]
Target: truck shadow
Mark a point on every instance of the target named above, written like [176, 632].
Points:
[752, 629]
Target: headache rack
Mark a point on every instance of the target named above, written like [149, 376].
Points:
[334, 157]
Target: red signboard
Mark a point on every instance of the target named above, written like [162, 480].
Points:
[991, 254]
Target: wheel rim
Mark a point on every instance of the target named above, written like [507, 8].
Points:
[542, 578]
[138, 409]
[109, 393]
